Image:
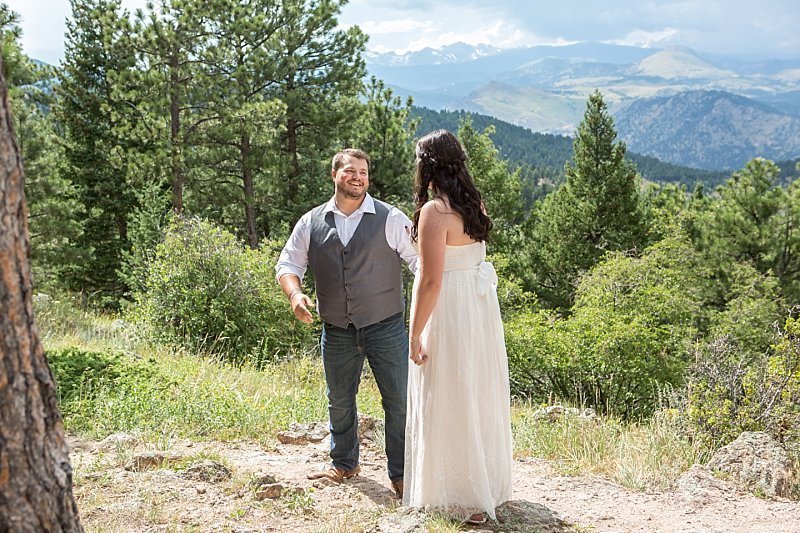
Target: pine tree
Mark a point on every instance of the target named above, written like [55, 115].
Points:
[236, 160]
[319, 73]
[385, 132]
[97, 149]
[170, 87]
[501, 189]
[595, 211]
[756, 221]
[54, 212]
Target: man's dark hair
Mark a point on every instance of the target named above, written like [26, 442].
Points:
[338, 159]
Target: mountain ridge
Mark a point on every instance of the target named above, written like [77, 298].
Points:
[544, 89]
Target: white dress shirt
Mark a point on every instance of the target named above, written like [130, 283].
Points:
[294, 257]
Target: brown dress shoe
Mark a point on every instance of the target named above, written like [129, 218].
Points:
[335, 474]
[397, 486]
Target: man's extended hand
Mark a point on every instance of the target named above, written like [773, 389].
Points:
[301, 305]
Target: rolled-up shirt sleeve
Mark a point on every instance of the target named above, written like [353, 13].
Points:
[294, 256]
[398, 236]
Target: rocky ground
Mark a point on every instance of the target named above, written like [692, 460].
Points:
[123, 484]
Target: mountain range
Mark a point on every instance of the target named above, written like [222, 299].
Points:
[686, 107]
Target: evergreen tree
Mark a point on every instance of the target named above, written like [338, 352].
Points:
[54, 212]
[237, 163]
[755, 221]
[319, 73]
[597, 210]
[385, 131]
[97, 149]
[171, 86]
[500, 188]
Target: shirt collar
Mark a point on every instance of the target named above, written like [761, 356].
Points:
[367, 206]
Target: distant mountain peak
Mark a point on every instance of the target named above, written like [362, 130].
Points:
[679, 62]
[709, 129]
[458, 52]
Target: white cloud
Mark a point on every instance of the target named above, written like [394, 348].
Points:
[496, 33]
[372, 27]
[648, 39]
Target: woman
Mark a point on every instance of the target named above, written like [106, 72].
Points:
[458, 430]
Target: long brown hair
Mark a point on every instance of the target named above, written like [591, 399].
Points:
[441, 164]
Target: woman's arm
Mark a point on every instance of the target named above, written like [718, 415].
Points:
[432, 232]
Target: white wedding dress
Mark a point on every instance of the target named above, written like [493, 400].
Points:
[458, 454]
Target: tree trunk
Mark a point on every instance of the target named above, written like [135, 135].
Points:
[35, 472]
[294, 168]
[175, 128]
[247, 177]
[291, 145]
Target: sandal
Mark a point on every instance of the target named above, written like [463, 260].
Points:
[476, 519]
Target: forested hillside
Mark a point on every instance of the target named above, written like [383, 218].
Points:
[546, 154]
[709, 129]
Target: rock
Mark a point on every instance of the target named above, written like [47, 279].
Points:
[756, 461]
[150, 460]
[119, 440]
[272, 491]
[698, 486]
[514, 516]
[207, 470]
[405, 520]
[261, 478]
[315, 432]
[554, 412]
[368, 427]
[520, 515]
[304, 433]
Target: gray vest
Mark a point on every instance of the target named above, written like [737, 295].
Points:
[360, 283]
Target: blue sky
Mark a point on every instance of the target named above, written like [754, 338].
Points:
[766, 27]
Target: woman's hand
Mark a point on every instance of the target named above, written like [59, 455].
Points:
[416, 352]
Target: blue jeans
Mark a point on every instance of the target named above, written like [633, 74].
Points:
[385, 346]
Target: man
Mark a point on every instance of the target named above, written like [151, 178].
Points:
[354, 246]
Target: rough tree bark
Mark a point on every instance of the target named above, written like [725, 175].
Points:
[35, 472]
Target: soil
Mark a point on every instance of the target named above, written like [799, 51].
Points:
[122, 484]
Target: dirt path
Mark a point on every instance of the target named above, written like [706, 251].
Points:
[171, 496]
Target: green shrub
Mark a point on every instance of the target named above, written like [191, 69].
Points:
[510, 292]
[729, 392]
[752, 310]
[633, 322]
[206, 291]
[82, 375]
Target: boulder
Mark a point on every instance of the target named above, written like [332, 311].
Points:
[698, 486]
[151, 460]
[207, 470]
[757, 462]
[302, 434]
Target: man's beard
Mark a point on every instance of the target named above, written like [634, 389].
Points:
[352, 195]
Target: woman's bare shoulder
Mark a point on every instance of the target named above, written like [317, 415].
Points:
[436, 207]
